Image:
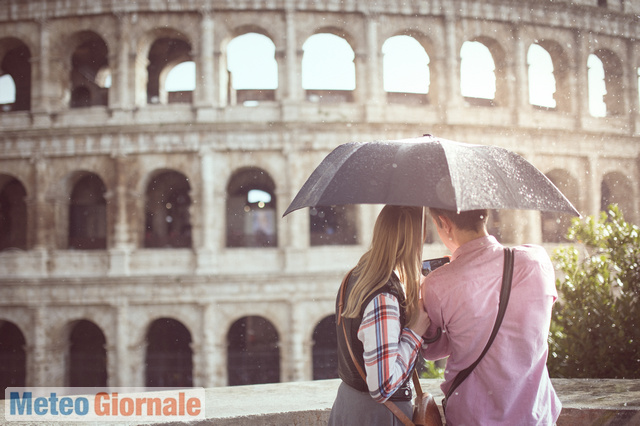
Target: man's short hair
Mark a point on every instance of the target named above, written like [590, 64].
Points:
[470, 220]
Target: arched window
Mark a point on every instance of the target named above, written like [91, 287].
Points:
[325, 349]
[13, 358]
[165, 53]
[13, 214]
[89, 59]
[542, 83]
[15, 84]
[87, 365]
[328, 69]
[477, 73]
[597, 87]
[168, 221]
[169, 360]
[251, 210]
[253, 69]
[88, 214]
[181, 82]
[405, 70]
[334, 225]
[253, 355]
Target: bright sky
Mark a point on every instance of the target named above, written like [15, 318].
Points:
[327, 63]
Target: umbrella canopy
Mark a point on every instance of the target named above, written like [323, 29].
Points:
[431, 172]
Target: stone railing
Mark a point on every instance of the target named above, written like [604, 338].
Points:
[585, 402]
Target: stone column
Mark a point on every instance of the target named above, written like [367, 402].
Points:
[296, 364]
[121, 246]
[37, 360]
[293, 59]
[207, 248]
[594, 189]
[123, 365]
[375, 96]
[520, 103]
[40, 96]
[205, 83]
[579, 81]
[120, 96]
[207, 369]
[452, 95]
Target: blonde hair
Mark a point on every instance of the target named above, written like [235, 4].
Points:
[397, 241]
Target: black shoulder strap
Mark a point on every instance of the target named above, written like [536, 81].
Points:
[505, 292]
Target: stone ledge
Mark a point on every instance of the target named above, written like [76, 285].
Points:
[602, 402]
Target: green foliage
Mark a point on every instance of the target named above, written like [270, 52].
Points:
[431, 370]
[595, 330]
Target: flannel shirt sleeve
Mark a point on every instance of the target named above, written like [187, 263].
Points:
[389, 352]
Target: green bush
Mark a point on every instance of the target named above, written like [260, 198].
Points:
[595, 330]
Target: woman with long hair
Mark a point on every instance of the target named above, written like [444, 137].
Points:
[382, 322]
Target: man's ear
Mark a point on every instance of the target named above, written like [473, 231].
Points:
[445, 223]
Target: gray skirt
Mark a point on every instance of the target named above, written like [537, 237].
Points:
[353, 408]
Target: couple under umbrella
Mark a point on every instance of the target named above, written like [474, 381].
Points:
[487, 309]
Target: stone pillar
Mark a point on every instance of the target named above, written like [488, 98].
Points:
[121, 246]
[37, 358]
[293, 60]
[520, 103]
[205, 91]
[120, 95]
[207, 370]
[594, 187]
[40, 96]
[452, 95]
[374, 101]
[296, 365]
[208, 245]
[123, 369]
[579, 81]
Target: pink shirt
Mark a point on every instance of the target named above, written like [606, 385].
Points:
[511, 385]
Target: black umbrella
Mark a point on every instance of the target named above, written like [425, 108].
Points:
[431, 172]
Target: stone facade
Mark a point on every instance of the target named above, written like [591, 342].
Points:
[122, 205]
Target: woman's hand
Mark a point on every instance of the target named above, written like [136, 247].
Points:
[421, 322]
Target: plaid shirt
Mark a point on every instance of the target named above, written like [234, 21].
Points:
[389, 352]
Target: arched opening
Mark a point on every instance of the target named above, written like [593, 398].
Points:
[328, 69]
[88, 214]
[253, 355]
[253, 69]
[251, 210]
[542, 82]
[477, 74]
[88, 60]
[335, 225]
[168, 221]
[13, 357]
[87, 356]
[164, 54]
[169, 360]
[15, 69]
[13, 214]
[406, 75]
[325, 349]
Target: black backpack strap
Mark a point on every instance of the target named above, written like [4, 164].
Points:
[505, 292]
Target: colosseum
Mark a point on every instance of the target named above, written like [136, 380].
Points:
[141, 232]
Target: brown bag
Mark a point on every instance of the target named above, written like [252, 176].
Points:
[425, 411]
